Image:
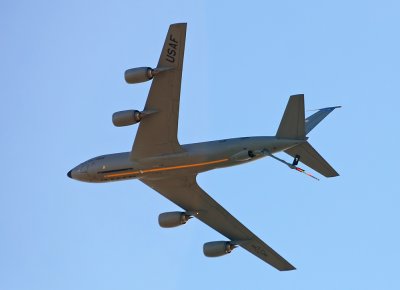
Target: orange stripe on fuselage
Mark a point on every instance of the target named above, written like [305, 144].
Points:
[166, 168]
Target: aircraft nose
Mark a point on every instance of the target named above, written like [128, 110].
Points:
[69, 174]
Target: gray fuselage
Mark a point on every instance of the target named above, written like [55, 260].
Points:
[196, 158]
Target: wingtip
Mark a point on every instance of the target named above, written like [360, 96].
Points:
[179, 24]
[297, 95]
[289, 268]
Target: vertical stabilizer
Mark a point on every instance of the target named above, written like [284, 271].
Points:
[292, 123]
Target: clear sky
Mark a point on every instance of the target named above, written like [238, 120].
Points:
[61, 76]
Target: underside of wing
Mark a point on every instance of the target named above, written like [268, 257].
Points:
[184, 191]
[157, 133]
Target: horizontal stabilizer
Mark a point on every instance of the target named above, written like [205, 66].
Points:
[310, 157]
[317, 117]
[292, 123]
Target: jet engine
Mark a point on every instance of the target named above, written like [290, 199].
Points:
[143, 74]
[217, 249]
[139, 75]
[126, 118]
[130, 117]
[173, 219]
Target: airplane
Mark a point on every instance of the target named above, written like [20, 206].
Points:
[158, 160]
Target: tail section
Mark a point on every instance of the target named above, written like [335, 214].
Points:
[292, 125]
[305, 153]
[314, 119]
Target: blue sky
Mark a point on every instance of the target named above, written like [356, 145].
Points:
[61, 73]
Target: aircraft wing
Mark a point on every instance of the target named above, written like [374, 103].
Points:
[157, 133]
[184, 191]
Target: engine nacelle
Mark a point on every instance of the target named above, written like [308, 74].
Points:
[173, 219]
[139, 75]
[126, 118]
[217, 249]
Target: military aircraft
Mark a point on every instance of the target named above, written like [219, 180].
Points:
[158, 160]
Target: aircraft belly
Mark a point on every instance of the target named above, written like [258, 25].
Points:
[195, 158]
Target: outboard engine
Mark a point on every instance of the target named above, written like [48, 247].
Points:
[217, 249]
[142, 74]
